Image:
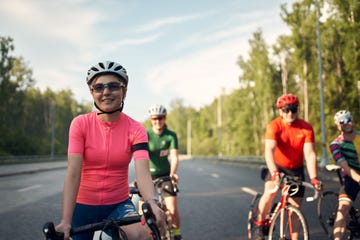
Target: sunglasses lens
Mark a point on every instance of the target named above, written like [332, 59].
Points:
[346, 120]
[98, 87]
[157, 118]
[288, 109]
[113, 86]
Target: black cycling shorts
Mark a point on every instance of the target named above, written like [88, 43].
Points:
[350, 188]
[170, 190]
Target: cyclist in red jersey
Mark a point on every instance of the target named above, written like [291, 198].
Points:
[101, 146]
[288, 140]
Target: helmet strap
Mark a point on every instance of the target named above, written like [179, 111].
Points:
[104, 112]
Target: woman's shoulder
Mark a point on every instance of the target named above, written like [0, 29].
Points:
[169, 132]
[85, 117]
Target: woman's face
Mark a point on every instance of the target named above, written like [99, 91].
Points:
[108, 92]
[158, 122]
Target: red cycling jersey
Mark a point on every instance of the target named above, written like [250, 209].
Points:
[290, 139]
[107, 149]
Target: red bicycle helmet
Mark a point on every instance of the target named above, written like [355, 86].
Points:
[287, 99]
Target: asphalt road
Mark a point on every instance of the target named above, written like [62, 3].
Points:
[213, 201]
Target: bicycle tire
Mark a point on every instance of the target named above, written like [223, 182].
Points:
[326, 211]
[252, 214]
[276, 229]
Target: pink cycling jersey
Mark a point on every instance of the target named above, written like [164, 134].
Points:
[107, 149]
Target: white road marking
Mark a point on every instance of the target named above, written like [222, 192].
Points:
[215, 175]
[249, 190]
[29, 188]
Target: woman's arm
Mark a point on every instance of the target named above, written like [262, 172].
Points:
[174, 158]
[71, 187]
[146, 187]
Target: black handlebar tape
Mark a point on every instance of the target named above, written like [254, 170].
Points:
[50, 233]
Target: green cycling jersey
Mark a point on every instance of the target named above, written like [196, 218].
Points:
[159, 149]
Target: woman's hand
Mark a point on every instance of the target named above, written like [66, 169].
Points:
[158, 212]
[65, 228]
[175, 178]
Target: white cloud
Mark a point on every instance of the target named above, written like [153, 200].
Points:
[159, 23]
[70, 23]
[199, 77]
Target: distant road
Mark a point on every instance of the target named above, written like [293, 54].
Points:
[213, 200]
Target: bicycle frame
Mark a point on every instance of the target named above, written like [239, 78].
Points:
[167, 231]
[281, 206]
[285, 207]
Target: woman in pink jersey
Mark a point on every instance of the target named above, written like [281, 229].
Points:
[101, 146]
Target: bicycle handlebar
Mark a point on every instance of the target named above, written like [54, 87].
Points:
[332, 167]
[51, 234]
[287, 179]
[316, 193]
[162, 179]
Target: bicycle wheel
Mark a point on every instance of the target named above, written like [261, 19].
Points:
[326, 211]
[253, 211]
[283, 224]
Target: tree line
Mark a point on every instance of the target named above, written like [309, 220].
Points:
[233, 124]
[32, 122]
[290, 65]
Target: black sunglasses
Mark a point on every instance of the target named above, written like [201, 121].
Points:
[112, 86]
[157, 118]
[290, 108]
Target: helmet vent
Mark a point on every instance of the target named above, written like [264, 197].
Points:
[95, 69]
[101, 65]
[118, 68]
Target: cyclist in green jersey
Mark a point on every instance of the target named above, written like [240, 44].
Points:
[163, 146]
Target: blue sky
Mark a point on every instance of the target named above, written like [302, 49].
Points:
[171, 49]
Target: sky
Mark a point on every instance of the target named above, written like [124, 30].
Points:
[171, 50]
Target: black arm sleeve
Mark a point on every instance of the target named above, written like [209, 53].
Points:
[140, 146]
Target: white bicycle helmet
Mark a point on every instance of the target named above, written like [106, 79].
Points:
[107, 67]
[158, 110]
[341, 115]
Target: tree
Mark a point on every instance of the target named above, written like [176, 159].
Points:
[263, 83]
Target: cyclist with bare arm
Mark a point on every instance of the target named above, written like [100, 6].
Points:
[101, 146]
[344, 152]
[163, 144]
[288, 140]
